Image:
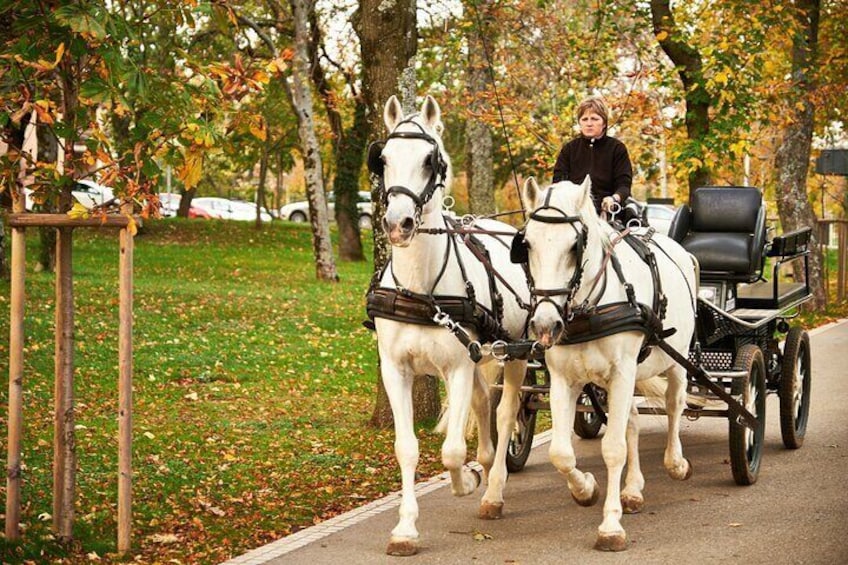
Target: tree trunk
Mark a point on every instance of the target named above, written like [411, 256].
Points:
[186, 196]
[349, 146]
[689, 66]
[478, 135]
[388, 38]
[792, 158]
[260, 187]
[297, 85]
[351, 152]
[48, 152]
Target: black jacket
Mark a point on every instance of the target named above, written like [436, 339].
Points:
[604, 159]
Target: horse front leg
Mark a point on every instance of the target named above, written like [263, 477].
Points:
[398, 384]
[677, 466]
[611, 534]
[460, 389]
[491, 506]
[563, 398]
[632, 500]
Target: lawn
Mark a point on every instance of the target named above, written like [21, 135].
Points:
[253, 385]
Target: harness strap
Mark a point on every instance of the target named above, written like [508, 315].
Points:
[701, 377]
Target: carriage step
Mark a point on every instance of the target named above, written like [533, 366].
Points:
[538, 389]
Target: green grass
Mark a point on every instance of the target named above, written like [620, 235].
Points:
[253, 384]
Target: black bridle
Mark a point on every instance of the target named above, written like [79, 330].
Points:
[436, 162]
[519, 251]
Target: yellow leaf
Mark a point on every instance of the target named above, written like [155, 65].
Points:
[721, 77]
[78, 212]
[59, 52]
[132, 227]
[192, 168]
[662, 36]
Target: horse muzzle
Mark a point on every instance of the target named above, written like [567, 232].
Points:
[547, 329]
[400, 231]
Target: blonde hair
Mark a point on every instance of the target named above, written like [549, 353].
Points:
[594, 104]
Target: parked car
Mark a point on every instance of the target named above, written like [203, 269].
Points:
[90, 194]
[299, 211]
[86, 192]
[170, 204]
[229, 209]
[660, 217]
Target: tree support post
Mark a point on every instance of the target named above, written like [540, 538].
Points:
[125, 369]
[64, 449]
[16, 365]
[64, 437]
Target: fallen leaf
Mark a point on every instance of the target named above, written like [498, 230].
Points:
[163, 538]
[480, 536]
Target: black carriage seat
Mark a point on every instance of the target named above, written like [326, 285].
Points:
[725, 229]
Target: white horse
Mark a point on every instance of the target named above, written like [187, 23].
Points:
[568, 247]
[430, 260]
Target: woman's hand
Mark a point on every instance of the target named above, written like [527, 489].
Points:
[609, 204]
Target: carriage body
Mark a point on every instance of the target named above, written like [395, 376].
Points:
[747, 295]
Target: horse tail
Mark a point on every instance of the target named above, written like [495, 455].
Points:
[653, 389]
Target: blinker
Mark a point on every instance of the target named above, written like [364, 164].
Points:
[518, 250]
[375, 158]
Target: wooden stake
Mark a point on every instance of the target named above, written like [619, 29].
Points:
[125, 365]
[64, 440]
[16, 366]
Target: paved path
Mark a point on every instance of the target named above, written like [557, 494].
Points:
[797, 512]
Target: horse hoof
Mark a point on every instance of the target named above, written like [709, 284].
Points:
[632, 504]
[591, 501]
[685, 475]
[490, 511]
[689, 470]
[402, 547]
[611, 542]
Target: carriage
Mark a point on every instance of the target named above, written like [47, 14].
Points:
[735, 358]
[617, 319]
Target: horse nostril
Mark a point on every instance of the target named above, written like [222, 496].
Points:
[408, 224]
[557, 329]
[385, 224]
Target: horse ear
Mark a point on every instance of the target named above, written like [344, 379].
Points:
[585, 191]
[392, 113]
[432, 113]
[531, 192]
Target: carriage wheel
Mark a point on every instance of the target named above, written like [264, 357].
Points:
[746, 445]
[521, 438]
[587, 425]
[795, 388]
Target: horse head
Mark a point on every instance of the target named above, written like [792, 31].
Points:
[414, 167]
[562, 223]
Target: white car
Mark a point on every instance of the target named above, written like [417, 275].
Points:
[86, 192]
[226, 209]
[660, 217]
[169, 203]
[299, 211]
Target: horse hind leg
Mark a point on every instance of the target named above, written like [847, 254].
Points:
[464, 480]
[481, 405]
[491, 506]
[677, 466]
[632, 500]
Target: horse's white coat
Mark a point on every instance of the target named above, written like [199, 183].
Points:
[407, 350]
[609, 361]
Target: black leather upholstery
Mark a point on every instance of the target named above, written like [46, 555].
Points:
[725, 230]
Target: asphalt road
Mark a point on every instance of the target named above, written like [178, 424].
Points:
[797, 512]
